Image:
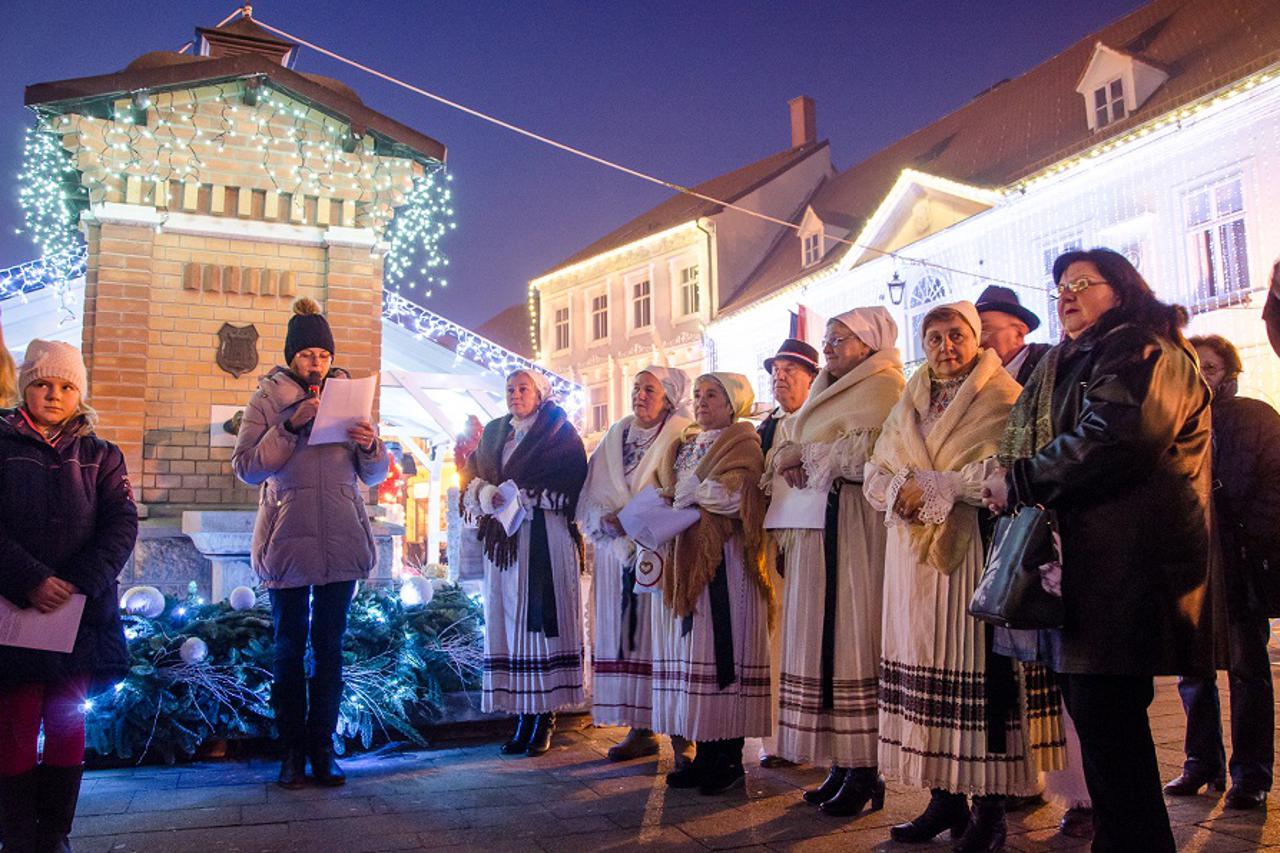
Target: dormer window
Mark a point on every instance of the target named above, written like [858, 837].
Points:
[1108, 103]
[812, 245]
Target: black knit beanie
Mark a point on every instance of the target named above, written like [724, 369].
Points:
[307, 328]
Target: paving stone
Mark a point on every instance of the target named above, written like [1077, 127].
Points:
[304, 810]
[115, 824]
[263, 838]
[189, 798]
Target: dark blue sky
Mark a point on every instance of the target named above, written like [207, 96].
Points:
[685, 90]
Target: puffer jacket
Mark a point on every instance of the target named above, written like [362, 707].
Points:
[1128, 474]
[312, 528]
[65, 511]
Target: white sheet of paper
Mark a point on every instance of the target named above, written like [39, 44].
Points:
[652, 522]
[343, 404]
[798, 509]
[28, 628]
[511, 516]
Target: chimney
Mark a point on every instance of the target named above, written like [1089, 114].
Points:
[804, 121]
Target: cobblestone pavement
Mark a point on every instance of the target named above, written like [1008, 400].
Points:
[571, 799]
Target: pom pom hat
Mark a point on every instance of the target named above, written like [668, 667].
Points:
[307, 328]
[52, 360]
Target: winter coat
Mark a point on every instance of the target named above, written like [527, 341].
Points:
[1246, 497]
[1128, 473]
[312, 528]
[65, 511]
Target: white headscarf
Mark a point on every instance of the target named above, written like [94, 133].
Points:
[874, 326]
[675, 383]
[539, 380]
[965, 309]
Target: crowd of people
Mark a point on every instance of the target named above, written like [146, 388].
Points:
[838, 632]
[841, 636]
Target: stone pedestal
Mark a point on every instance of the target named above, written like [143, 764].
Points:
[223, 537]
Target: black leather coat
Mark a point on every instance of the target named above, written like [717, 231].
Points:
[1128, 473]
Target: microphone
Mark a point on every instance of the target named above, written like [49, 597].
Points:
[315, 390]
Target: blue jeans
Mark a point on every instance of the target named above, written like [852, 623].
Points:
[299, 613]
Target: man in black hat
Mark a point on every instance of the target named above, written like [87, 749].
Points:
[1005, 326]
[791, 370]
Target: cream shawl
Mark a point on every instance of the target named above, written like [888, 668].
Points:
[861, 399]
[969, 431]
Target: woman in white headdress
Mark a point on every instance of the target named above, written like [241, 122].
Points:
[835, 568]
[711, 628]
[625, 462]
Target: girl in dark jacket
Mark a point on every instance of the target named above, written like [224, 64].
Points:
[1246, 496]
[67, 525]
[1112, 433]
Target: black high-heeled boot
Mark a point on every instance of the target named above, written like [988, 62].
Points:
[861, 785]
[544, 725]
[819, 795]
[987, 830]
[519, 741]
[726, 772]
[945, 811]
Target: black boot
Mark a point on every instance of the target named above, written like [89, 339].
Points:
[519, 741]
[324, 764]
[726, 772]
[544, 725]
[1189, 783]
[692, 774]
[945, 811]
[18, 812]
[290, 703]
[861, 785]
[57, 792]
[819, 795]
[987, 830]
[293, 767]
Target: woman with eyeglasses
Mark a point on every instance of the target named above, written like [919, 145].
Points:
[1112, 433]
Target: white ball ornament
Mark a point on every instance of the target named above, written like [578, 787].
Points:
[416, 591]
[242, 598]
[143, 601]
[194, 650]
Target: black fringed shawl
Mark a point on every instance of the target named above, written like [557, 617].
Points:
[549, 463]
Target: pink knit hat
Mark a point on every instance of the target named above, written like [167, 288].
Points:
[52, 360]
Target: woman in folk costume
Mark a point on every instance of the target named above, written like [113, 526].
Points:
[625, 463]
[953, 714]
[711, 629]
[533, 662]
[831, 605]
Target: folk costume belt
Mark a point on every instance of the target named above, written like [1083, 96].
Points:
[542, 589]
[721, 627]
[831, 560]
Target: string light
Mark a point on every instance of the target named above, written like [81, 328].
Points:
[415, 232]
[50, 199]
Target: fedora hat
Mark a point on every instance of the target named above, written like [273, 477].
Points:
[794, 349]
[1003, 299]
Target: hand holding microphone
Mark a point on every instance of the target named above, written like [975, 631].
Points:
[306, 410]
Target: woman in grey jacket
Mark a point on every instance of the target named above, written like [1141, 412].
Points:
[311, 540]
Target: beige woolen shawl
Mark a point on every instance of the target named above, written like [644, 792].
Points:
[606, 489]
[861, 399]
[969, 431]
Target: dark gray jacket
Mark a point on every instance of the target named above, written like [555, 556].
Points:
[312, 528]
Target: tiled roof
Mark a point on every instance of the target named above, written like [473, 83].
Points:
[681, 208]
[1020, 126]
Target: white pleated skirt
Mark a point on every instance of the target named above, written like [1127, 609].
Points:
[622, 659]
[526, 672]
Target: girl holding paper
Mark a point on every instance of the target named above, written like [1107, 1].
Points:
[67, 525]
[311, 540]
[625, 463]
[533, 662]
[711, 629]
[835, 569]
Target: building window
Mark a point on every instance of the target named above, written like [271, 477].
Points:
[599, 409]
[812, 249]
[690, 293]
[1218, 244]
[600, 317]
[927, 292]
[1108, 103]
[562, 328]
[641, 305]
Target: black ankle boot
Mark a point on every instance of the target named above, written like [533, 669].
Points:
[519, 741]
[57, 793]
[819, 795]
[692, 774]
[293, 767]
[726, 771]
[862, 785]
[544, 725]
[324, 764]
[987, 830]
[945, 811]
[18, 812]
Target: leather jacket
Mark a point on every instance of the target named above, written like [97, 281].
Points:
[1128, 473]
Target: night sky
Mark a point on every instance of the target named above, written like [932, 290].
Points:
[684, 90]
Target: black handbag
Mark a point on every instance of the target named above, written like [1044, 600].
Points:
[1010, 593]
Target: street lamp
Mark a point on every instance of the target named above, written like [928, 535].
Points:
[896, 286]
